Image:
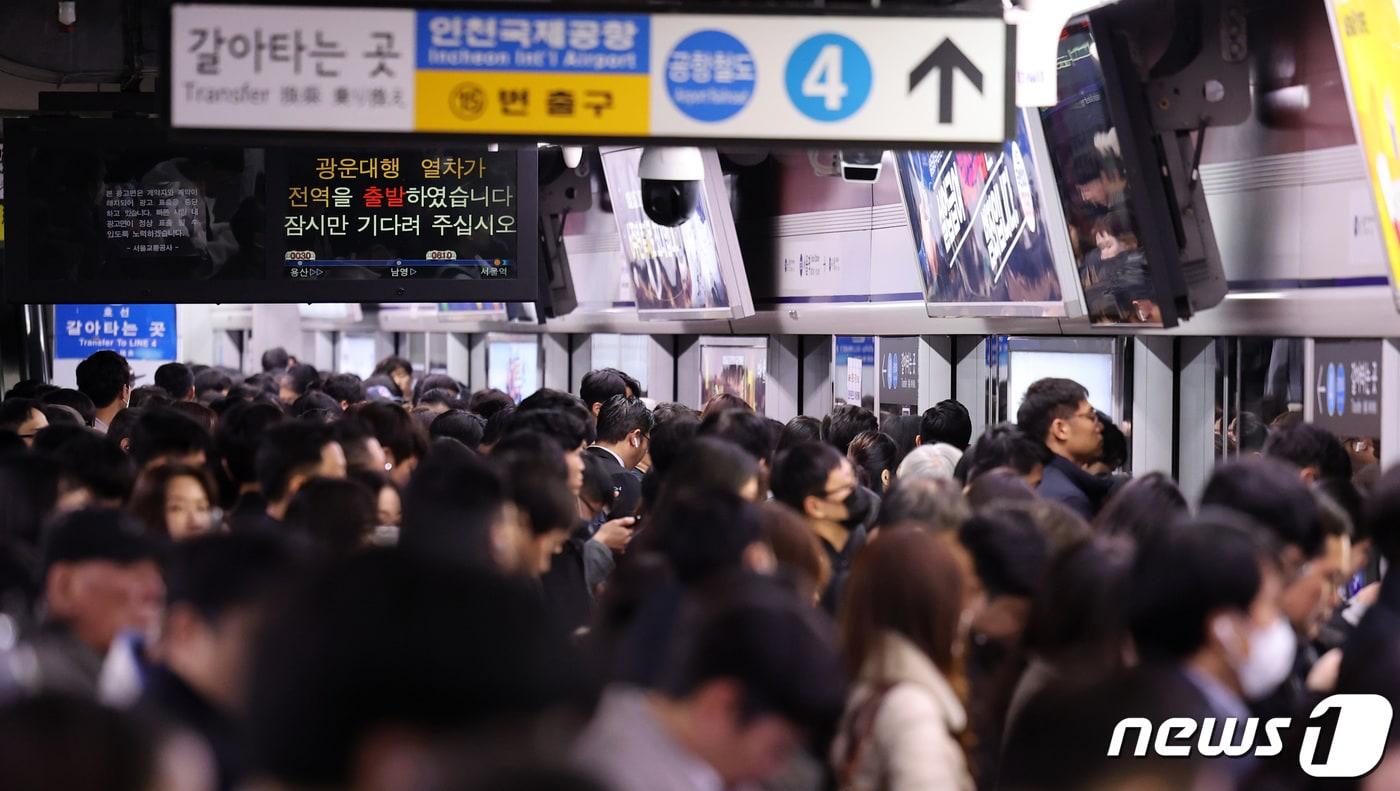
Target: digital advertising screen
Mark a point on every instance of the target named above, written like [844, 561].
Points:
[1100, 208]
[1367, 33]
[737, 370]
[428, 214]
[983, 230]
[513, 367]
[109, 209]
[693, 270]
[116, 210]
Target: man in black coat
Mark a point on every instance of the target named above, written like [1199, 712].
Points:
[1057, 412]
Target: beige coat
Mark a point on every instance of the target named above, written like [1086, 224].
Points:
[910, 746]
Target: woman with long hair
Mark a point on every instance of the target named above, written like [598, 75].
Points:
[900, 639]
[174, 501]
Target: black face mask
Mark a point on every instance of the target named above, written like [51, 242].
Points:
[858, 507]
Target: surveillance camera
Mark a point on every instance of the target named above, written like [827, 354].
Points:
[861, 165]
[671, 182]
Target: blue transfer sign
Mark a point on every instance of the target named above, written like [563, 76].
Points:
[710, 75]
[859, 346]
[535, 42]
[137, 332]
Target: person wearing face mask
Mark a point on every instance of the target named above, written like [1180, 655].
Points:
[1204, 611]
[820, 483]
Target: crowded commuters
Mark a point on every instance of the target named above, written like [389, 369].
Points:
[399, 583]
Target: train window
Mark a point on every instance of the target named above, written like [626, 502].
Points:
[1258, 384]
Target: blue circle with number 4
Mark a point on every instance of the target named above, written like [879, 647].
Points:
[710, 75]
[828, 77]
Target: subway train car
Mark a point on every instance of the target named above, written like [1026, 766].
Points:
[960, 395]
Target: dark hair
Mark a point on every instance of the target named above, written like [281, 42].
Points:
[488, 402]
[345, 387]
[447, 520]
[844, 423]
[1141, 507]
[1008, 550]
[1080, 614]
[927, 502]
[199, 413]
[316, 405]
[148, 500]
[702, 532]
[175, 379]
[310, 708]
[559, 401]
[162, 431]
[87, 460]
[337, 514]
[219, 572]
[237, 437]
[386, 368]
[74, 399]
[1115, 445]
[441, 396]
[670, 410]
[908, 583]
[1251, 432]
[668, 441]
[15, 411]
[497, 425]
[742, 428]
[756, 633]
[602, 384]
[1306, 445]
[621, 416]
[803, 428]
[464, 427]
[300, 379]
[1046, 401]
[288, 449]
[1004, 445]
[211, 380]
[597, 482]
[436, 382]
[102, 376]
[275, 359]
[999, 484]
[122, 425]
[563, 427]
[57, 413]
[1381, 515]
[796, 548]
[54, 741]
[801, 472]
[1184, 574]
[394, 429]
[873, 453]
[538, 476]
[903, 429]
[709, 464]
[149, 396]
[1270, 493]
[948, 422]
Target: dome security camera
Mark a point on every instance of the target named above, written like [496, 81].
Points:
[671, 182]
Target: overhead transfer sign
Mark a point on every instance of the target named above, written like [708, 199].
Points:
[879, 79]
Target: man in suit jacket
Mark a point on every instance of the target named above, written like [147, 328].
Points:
[624, 429]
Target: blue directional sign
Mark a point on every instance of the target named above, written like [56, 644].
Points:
[710, 75]
[828, 77]
[137, 332]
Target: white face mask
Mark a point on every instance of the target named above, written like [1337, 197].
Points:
[1271, 653]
